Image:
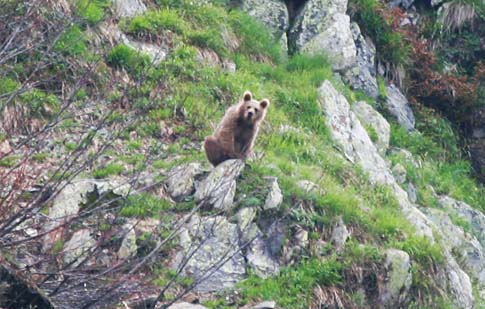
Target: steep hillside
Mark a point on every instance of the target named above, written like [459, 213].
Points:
[353, 198]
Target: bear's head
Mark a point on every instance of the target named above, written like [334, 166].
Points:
[252, 111]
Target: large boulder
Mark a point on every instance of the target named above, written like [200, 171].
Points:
[219, 187]
[398, 106]
[78, 249]
[399, 278]
[128, 8]
[180, 180]
[362, 74]
[211, 254]
[373, 119]
[272, 13]
[323, 27]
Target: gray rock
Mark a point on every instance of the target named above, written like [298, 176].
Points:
[370, 117]
[340, 234]
[67, 203]
[219, 187]
[128, 8]
[275, 197]
[260, 259]
[399, 173]
[307, 186]
[244, 217]
[335, 41]
[78, 248]
[356, 145]
[399, 278]
[465, 247]
[398, 106]
[270, 304]
[412, 192]
[272, 13]
[128, 246]
[212, 253]
[469, 214]
[112, 33]
[362, 74]
[180, 180]
[323, 27]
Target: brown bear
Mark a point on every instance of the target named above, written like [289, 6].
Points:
[235, 135]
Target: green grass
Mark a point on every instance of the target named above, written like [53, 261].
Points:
[92, 11]
[108, 170]
[72, 42]
[123, 56]
[155, 21]
[293, 287]
[144, 205]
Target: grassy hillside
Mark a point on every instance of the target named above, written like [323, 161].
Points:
[157, 116]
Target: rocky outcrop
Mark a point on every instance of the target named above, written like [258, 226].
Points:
[399, 278]
[362, 74]
[219, 187]
[211, 253]
[465, 247]
[128, 8]
[78, 248]
[373, 119]
[398, 106]
[323, 27]
[180, 180]
[349, 134]
[272, 13]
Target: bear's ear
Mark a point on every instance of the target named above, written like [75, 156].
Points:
[264, 103]
[247, 96]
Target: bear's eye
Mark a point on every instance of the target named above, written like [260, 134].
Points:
[255, 110]
[249, 107]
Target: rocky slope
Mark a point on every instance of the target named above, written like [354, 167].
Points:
[354, 197]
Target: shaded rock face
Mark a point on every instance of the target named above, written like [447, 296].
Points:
[362, 74]
[272, 13]
[323, 27]
[477, 145]
[180, 180]
[399, 278]
[128, 8]
[219, 187]
[370, 117]
[398, 106]
[15, 292]
[212, 254]
[78, 247]
[351, 137]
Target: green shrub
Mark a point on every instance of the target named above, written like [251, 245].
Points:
[154, 21]
[72, 42]
[92, 11]
[39, 103]
[123, 56]
[8, 85]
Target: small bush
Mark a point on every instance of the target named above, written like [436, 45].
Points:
[123, 56]
[154, 21]
[92, 11]
[72, 42]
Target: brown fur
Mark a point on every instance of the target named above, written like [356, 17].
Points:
[235, 135]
